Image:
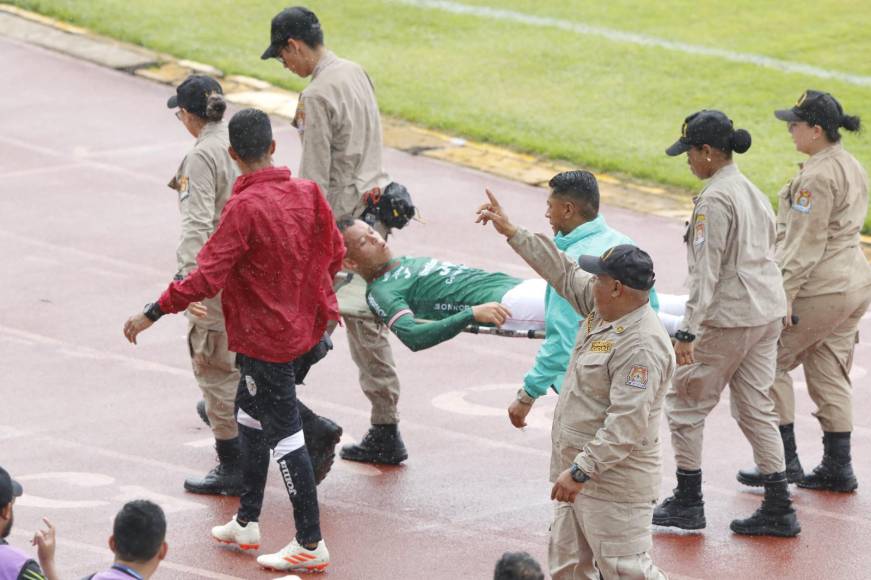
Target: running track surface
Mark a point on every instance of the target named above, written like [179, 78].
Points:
[87, 236]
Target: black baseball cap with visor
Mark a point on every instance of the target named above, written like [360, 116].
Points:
[629, 264]
[9, 488]
[705, 127]
[192, 95]
[296, 22]
[814, 108]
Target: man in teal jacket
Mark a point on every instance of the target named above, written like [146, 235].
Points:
[573, 212]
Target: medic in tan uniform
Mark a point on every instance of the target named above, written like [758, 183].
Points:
[729, 334]
[606, 460]
[828, 286]
[340, 127]
[204, 182]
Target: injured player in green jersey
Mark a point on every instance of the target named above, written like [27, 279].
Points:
[425, 301]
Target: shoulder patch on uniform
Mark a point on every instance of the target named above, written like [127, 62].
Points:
[803, 201]
[699, 230]
[637, 377]
[601, 346]
[299, 117]
[183, 184]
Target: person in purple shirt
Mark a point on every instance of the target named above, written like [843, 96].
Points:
[15, 564]
[138, 540]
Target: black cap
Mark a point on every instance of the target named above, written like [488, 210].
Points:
[814, 108]
[296, 22]
[193, 94]
[706, 127]
[9, 488]
[627, 263]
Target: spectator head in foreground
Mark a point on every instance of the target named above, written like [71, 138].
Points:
[517, 566]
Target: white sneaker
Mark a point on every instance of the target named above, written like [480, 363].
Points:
[247, 538]
[296, 557]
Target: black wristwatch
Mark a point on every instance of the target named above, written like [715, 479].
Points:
[152, 311]
[578, 474]
[684, 336]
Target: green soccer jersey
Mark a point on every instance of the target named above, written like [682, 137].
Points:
[427, 289]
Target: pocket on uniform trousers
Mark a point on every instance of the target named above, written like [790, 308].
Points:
[631, 547]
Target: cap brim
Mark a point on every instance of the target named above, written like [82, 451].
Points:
[679, 146]
[17, 490]
[270, 52]
[172, 102]
[591, 264]
[787, 115]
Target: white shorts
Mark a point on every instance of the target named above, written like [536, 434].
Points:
[526, 304]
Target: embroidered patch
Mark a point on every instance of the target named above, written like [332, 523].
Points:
[637, 377]
[299, 118]
[803, 202]
[252, 386]
[699, 230]
[183, 184]
[601, 346]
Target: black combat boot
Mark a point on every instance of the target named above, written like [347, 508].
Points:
[226, 477]
[201, 411]
[321, 437]
[776, 516]
[794, 471]
[835, 472]
[382, 444]
[685, 509]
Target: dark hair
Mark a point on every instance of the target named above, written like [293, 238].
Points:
[517, 566]
[580, 186]
[139, 531]
[215, 107]
[738, 141]
[250, 134]
[851, 123]
[345, 222]
[306, 27]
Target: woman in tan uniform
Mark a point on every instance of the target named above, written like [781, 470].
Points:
[730, 329]
[828, 285]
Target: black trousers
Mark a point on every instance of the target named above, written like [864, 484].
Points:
[267, 393]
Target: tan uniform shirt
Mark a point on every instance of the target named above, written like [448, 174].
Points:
[819, 219]
[608, 414]
[340, 127]
[733, 279]
[204, 182]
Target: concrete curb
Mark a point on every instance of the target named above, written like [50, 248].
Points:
[79, 42]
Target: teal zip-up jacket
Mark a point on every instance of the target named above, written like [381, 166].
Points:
[560, 319]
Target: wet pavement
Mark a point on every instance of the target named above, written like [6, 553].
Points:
[87, 236]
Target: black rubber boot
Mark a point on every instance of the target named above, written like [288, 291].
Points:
[201, 411]
[835, 472]
[382, 444]
[321, 437]
[226, 477]
[685, 509]
[794, 470]
[776, 516]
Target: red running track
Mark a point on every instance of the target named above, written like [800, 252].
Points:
[87, 236]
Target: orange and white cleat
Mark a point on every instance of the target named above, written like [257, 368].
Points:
[247, 538]
[294, 557]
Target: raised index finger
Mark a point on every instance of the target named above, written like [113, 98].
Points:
[492, 198]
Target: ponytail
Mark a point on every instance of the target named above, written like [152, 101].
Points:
[850, 123]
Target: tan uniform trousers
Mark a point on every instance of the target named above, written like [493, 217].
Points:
[592, 536]
[216, 373]
[745, 359]
[823, 342]
[371, 352]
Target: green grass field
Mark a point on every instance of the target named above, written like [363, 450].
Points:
[604, 104]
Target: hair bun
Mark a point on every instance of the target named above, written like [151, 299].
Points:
[740, 141]
[850, 122]
[215, 107]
